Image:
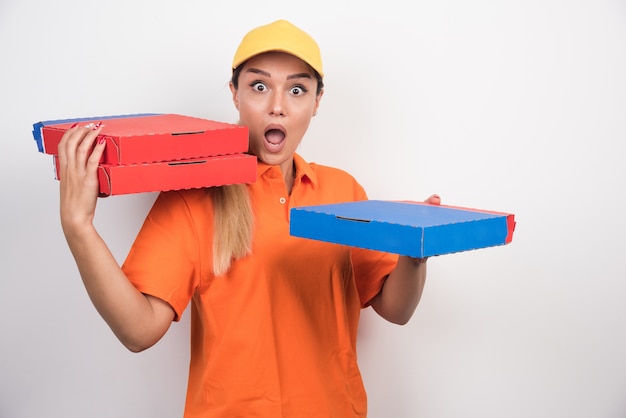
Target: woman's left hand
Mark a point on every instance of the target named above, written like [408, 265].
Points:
[433, 199]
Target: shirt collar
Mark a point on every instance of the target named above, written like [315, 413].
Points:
[303, 169]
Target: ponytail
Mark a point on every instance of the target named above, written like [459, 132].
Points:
[233, 225]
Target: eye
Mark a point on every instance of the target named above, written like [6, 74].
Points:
[298, 90]
[258, 86]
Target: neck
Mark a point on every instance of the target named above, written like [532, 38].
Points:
[289, 174]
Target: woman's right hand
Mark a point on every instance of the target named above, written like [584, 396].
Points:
[79, 154]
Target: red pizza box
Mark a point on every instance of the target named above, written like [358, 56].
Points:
[147, 138]
[175, 175]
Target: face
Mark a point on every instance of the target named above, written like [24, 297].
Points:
[276, 100]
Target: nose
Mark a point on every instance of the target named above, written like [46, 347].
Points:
[277, 105]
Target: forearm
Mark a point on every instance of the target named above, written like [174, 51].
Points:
[137, 320]
[402, 291]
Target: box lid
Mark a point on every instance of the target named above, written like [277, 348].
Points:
[38, 127]
[141, 138]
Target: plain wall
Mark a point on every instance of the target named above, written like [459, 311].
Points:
[515, 106]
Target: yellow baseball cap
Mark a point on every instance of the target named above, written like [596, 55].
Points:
[281, 36]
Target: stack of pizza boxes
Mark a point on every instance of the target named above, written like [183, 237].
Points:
[160, 152]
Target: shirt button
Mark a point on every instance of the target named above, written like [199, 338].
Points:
[282, 200]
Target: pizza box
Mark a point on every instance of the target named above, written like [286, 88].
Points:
[408, 228]
[174, 175]
[149, 137]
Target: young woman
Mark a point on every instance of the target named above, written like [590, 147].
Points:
[274, 317]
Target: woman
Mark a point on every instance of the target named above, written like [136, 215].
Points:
[274, 317]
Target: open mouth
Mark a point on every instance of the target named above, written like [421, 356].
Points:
[274, 139]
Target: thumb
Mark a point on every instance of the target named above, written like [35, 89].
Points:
[434, 199]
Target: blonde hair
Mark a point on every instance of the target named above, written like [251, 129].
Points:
[233, 223]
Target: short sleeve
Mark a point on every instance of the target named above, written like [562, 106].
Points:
[166, 257]
[371, 269]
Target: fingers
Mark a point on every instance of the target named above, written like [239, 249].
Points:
[77, 152]
[86, 145]
[95, 152]
[78, 141]
[433, 199]
[79, 156]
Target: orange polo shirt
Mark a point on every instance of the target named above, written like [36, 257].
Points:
[276, 336]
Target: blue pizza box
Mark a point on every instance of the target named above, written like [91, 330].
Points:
[408, 228]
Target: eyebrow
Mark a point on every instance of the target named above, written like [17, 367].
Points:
[289, 77]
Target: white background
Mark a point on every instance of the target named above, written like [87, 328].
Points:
[515, 106]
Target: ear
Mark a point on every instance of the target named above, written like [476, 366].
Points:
[235, 94]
